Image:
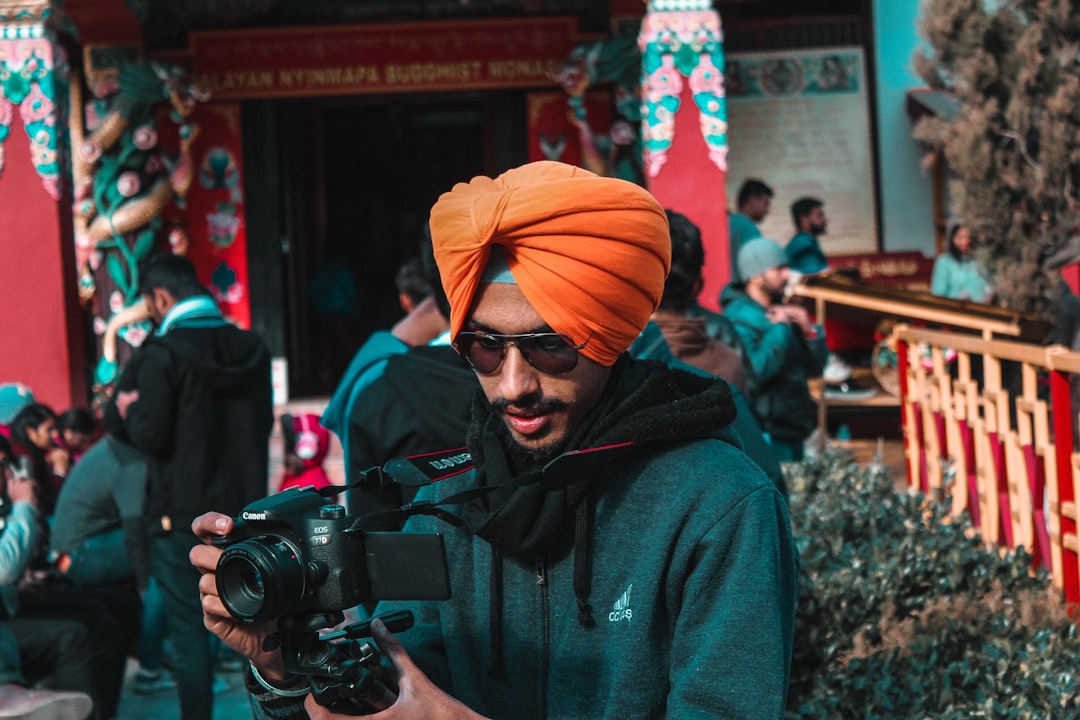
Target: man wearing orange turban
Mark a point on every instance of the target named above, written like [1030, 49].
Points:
[589, 253]
[618, 555]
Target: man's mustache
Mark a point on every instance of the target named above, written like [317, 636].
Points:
[531, 404]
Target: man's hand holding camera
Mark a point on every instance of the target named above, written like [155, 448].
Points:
[417, 697]
[246, 639]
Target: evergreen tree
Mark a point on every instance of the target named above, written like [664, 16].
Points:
[1013, 147]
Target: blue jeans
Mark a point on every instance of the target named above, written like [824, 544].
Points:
[179, 583]
[152, 638]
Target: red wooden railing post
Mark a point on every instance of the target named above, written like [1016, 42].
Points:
[902, 375]
[1063, 434]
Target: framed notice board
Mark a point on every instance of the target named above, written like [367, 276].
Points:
[800, 121]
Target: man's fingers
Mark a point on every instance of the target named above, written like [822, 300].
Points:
[211, 524]
[390, 646]
[205, 557]
[208, 585]
[316, 711]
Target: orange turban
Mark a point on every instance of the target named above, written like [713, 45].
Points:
[589, 253]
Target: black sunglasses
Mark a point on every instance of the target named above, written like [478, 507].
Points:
[551, 353]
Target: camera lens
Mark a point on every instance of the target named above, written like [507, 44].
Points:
[261, 578]
[251, 584]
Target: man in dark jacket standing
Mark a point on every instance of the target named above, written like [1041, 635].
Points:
[202, 413]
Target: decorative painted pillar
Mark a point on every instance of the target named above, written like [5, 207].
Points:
[131, 169]
[43, 330]
[685, 152]
[32, 67]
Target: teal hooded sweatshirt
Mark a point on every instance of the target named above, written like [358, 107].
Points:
[691, 575]
[665, 588]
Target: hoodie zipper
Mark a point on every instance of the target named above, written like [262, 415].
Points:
[545, 630]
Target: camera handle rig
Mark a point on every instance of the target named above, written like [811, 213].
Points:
[346, 676]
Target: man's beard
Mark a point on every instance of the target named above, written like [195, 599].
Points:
[526, 459]
[522, 458]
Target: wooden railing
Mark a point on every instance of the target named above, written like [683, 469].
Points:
[988, 430]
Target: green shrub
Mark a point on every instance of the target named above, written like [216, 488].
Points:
[903, 613]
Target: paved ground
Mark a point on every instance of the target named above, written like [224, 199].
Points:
[165, 705]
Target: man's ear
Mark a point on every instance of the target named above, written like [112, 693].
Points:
[161, 300]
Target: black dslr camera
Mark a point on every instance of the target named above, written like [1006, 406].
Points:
[297, 557]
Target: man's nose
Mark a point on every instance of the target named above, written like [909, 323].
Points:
[518, 378]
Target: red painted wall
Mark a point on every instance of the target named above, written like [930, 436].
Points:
[1072, 276]
[691, 184]
[42, 320]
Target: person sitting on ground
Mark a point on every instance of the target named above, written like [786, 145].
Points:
[73, 640]
[97, 536]
[783, 347]
[35, 434]
[78, 431]
[612, 531]
[17, 700]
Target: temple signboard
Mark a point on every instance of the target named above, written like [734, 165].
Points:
[363, 59]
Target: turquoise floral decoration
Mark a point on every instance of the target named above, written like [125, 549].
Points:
[675, 45]
[29, 77]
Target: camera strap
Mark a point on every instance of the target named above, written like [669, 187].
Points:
[429, 468]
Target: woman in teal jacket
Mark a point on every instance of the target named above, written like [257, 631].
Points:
[957, 274]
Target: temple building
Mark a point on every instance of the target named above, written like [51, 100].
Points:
[292, 150]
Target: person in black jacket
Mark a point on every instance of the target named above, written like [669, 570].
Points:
[419, 402]
[202, 413]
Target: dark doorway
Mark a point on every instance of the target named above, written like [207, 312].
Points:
[357, 180]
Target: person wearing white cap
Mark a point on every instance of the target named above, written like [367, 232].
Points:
[782, 347]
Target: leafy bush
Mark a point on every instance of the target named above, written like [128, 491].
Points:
[903, 613]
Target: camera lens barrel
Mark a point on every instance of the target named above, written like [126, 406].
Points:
[261, 578]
